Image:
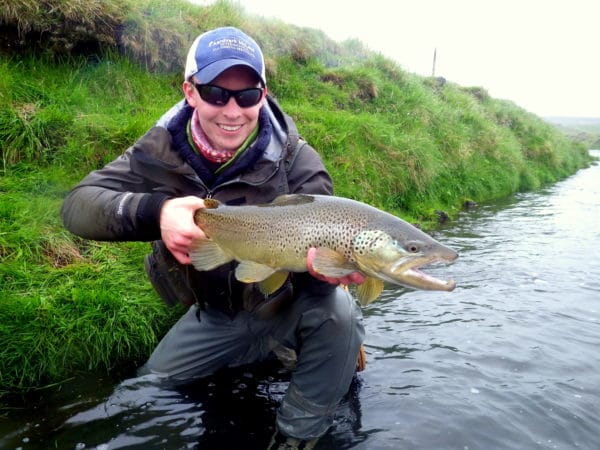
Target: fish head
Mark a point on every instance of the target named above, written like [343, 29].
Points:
[398, 259]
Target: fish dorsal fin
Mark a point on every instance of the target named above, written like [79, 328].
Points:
[332, 264]
[273, 283]
[291, 200]
[252, 272]
[369, 290]
[207, 255]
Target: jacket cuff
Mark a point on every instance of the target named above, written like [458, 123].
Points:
[148, 216]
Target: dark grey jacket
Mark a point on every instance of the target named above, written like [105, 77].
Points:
[122, 201]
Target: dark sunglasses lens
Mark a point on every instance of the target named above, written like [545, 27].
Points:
[213, 94]
[248, 97]
[218, 96]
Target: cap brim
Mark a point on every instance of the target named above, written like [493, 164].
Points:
[212, 71]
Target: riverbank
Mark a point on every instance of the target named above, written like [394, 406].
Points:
[410, 145]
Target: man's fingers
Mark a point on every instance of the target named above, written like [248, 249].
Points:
[357, 278]
[353, 278]
[182, 257]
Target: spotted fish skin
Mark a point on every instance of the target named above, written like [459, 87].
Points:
[349, 236]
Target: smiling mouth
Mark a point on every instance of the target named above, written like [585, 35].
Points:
[230, 128]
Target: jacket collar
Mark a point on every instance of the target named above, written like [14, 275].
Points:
[249, 167]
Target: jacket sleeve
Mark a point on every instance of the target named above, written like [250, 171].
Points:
[115, 203]
[307, 174]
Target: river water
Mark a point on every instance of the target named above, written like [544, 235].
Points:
[509, 360]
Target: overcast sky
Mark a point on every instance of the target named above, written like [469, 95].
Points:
[542, 54]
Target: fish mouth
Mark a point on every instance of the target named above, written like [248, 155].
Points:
[408, 273]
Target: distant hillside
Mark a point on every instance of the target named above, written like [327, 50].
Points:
[589, 124]
[581, 129]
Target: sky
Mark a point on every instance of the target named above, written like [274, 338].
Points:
[544, 55]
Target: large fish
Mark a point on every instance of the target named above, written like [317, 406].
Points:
[271, 240]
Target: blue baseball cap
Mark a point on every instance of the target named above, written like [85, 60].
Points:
[217, 50]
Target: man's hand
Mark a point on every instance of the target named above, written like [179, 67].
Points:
[355, 277]
[177, 227]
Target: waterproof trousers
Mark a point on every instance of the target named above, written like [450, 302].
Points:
[325, 332]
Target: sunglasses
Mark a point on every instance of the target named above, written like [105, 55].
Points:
[218, 96]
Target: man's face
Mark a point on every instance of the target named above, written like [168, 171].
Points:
[226, 126]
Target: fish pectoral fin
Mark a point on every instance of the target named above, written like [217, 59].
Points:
[369, 290]
[332, 264]
[207, 255]
[273, 283]
[252, 272]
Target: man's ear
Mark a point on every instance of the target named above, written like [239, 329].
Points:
[191, 95]
[263, 100]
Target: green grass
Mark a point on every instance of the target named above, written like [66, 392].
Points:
[397, 141]
[67, 305]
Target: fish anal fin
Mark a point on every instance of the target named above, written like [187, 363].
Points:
[273, 283]
[252, 272]
[332, 264]
[207, 255]
[369, 290]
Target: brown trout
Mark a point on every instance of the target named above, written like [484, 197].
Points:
[271, 240]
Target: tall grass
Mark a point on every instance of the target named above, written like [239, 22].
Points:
[69, 305]
[76, 111]
[66, 305]
[406, 144]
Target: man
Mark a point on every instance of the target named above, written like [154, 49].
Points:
[227, 140]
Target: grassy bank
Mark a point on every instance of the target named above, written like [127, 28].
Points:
[406, 144]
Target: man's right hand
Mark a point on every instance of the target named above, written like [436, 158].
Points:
[353, 278]
[177, 227]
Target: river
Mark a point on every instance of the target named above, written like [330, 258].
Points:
[509, 360]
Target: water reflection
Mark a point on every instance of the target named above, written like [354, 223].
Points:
[230, 409]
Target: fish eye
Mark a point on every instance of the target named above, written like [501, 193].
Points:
[413, 247]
